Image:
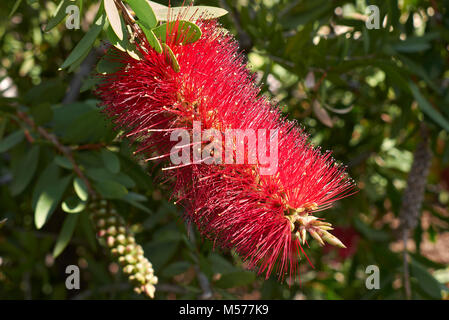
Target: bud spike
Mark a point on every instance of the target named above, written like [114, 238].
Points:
[331, 239]
[316, 236]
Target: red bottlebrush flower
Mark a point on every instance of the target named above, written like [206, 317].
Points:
[264, 217]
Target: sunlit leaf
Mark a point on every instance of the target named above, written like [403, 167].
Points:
[187, 32]
[322, 114]
[80, 189]
[48, 177]
[73, 204]
[48, 201]
[152, 39]
[171, 57]
[113, 17]
[191, 13]
[144, 13]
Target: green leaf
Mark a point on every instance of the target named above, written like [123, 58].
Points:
[113, 17]
[170, 56]
[3, 123]
[160, 252]
[63, 162]
[11, 140]
[90, 83]
[48, 201]
[110, 160]
[112, 36]
[110, 189]
[86, 43]
[409, 47]
[66, 234]
[90, 127]
[136, 197]
[58, 15]
[123, 45]
[156, 6]
[369, 233]
[108, 65]
[14, 9]
[426, 281]
[152, 39]
[220, 264]
[427, 108]
[48, 177]
[236, 279]
[48, 91]
[101, 174]
[130, 198]
[176, 268]
[88, 230]
[24, 171]
[144, 13]
[192, 13]
[73, 204]
[187, 32]
[80, 189]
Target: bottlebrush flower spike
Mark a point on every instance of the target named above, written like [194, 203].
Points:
[264, 217]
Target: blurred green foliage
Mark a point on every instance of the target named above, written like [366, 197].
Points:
[360, 92]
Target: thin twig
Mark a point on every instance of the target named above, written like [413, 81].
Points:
[413, 198]
[60, 147]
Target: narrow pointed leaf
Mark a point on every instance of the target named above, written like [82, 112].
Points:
[49, 176]
[190, 13]
[144, 13]
[152, 39]
[24, 171]
[80, 189]
[187, 32]
[110, 160]
[14, 9]
[48, 201]
[58, 15]
[171, 57]
[86, 43]
[110, 189]
[427, 108]
[66, 234]
[113, 17]
[11, 140]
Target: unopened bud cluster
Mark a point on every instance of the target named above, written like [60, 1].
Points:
[112, 233]
[303, 222]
